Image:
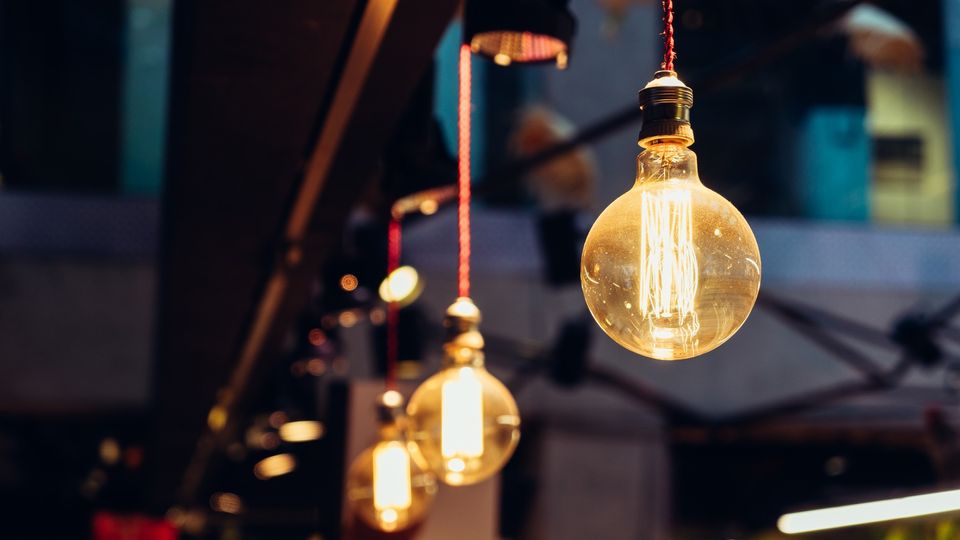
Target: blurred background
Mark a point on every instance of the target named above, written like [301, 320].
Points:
[193, 227]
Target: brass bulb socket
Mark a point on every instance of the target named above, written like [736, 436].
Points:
[666, 102]
[463, 344]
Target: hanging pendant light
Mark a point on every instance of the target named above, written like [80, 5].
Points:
[670, 270]
[389, 487]
[465, 422]
[521, 31]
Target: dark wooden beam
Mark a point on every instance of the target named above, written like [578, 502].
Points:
[248, 81]
[254, 261]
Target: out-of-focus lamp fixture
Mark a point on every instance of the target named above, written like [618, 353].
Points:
[387, 485]
[670, 270]
[520, 31]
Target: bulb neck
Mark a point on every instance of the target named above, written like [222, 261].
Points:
[667, 161]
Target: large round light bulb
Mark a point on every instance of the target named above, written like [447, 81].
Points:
[465, 422]
[670, 270]
[389, 486]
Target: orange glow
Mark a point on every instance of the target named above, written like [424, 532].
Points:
[507, 47]
[317, 337]
[228, 503]
[349, 282]
[348, 319]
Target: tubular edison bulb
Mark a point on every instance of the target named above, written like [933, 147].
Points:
[388, 486]
[464, 421]
[670, 269]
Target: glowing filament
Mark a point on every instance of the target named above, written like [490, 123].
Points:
[668, 262]
[461, 419]
[391, 482]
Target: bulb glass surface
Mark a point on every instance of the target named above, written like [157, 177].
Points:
[465, 423]
[670, 270]
[389, 487]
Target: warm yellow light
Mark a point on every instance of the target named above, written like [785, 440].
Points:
[461, 418]
[217, 417]
[392, 398]
[402, 286]
[388, 486]
[429, 207]
[465, 423]
[110, 451]
[348, 319]
[301, 431]
[501, 59]
[273, 466]
[392, 493]
[228, 503]
[670, 269]
[870, 512]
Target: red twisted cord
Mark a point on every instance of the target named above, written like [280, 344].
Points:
[393, 344]
[463, 180]
[668, 42]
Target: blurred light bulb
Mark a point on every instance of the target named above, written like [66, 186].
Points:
[273, 466]
[670, 269]
[301, 431]
[464, 421]
[402, 286]
[388, 485]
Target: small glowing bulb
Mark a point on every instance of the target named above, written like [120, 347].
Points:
[388, 486]
[670, 270]
[502, 59]
[464, 421]
[402, 286]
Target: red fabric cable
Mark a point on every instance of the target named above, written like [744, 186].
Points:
[393, 343]
[668, 42]
[463, 180]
